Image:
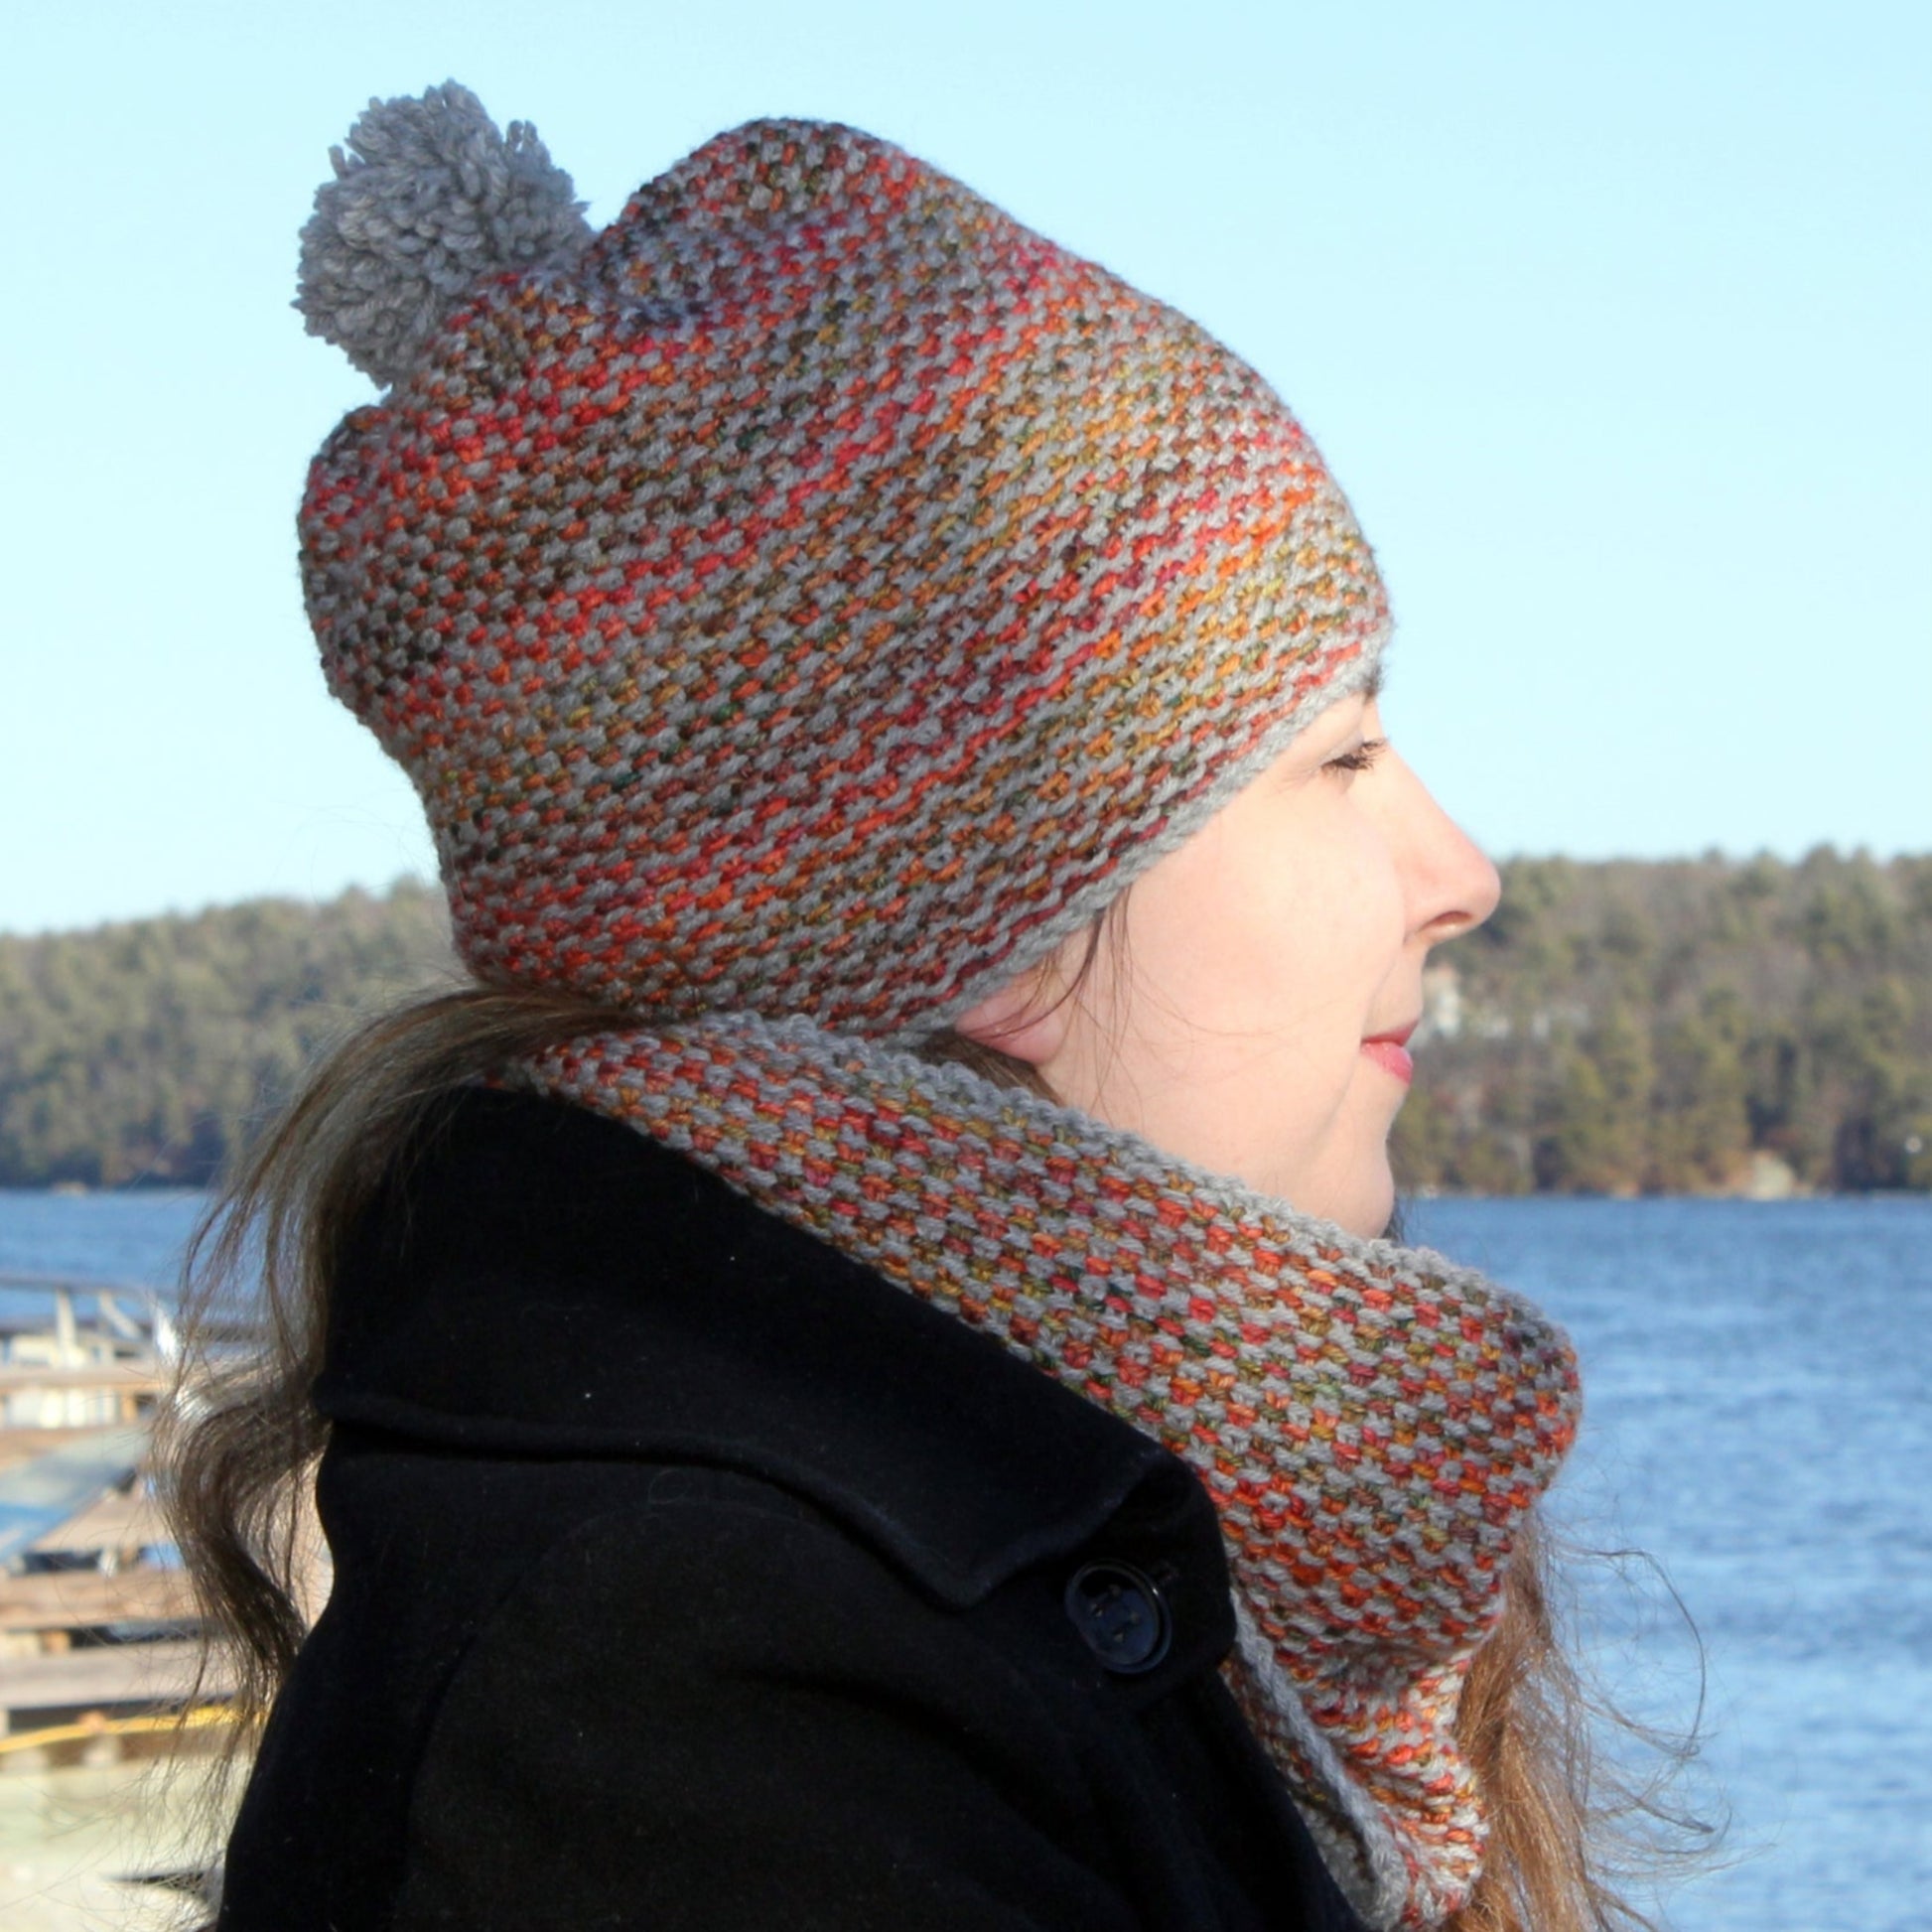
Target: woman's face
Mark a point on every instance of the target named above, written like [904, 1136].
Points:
[1246, 1013]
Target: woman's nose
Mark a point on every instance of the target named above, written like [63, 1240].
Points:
[1479, 889]
[1452, 886]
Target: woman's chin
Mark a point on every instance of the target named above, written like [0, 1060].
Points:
[1372, 1218]
[1359, 1203]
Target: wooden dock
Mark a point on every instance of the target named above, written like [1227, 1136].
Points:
[99, 1623]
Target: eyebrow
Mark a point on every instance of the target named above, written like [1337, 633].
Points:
[1372, 689]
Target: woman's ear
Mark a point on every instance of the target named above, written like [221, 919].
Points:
[1027, 1018]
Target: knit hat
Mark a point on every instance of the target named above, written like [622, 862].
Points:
[815, 594]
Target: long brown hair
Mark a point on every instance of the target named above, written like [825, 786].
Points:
[245, 1437]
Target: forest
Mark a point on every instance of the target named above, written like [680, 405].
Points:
[1704, 1025]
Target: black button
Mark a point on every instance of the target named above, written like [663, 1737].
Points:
[1120, 1615]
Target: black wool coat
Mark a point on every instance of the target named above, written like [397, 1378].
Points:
[690, 1576]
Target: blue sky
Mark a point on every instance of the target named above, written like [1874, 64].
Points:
[1614, 323]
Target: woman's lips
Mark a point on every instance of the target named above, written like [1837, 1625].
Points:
[1387, 1051]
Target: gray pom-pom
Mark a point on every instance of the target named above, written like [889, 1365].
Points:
[429, 198]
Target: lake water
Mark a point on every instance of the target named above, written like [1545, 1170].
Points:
[1760, 1425]
[1759, 1422]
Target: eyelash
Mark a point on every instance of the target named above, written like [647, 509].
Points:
[1361, 758]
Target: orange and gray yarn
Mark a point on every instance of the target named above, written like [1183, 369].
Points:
[814, 593]
[800, 608]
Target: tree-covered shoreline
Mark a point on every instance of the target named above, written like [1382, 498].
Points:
[1693, 1027]
[1702, 1026]
[143, 1052]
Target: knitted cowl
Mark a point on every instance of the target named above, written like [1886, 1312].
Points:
[1371, 1421]
[800, 608]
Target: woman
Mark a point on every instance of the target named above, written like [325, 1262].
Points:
[851, 1382]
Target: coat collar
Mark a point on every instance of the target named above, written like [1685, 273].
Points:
[539, 1279]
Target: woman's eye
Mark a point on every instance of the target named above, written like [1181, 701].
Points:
[1360, 758]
